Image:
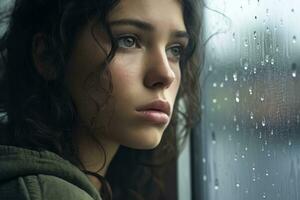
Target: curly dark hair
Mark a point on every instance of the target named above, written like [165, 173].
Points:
[40, 114]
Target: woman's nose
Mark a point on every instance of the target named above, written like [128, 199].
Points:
[159, 73]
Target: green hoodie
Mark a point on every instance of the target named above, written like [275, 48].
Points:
[33, 175]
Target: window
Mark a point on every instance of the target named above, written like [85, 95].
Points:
[248, 143]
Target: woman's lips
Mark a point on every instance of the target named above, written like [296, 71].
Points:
[157, 111]
[154, 116]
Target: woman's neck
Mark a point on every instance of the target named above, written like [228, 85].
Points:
[95, 154]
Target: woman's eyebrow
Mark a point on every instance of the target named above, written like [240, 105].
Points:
[133, 22]
[145, 26]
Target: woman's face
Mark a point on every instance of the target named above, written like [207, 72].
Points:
[145, 72]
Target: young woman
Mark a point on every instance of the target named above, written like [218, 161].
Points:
[90, 94]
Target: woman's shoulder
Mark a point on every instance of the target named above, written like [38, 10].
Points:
[26, 174]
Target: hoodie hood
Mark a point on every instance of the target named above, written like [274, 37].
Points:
[17, 162]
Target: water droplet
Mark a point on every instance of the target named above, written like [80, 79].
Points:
[264, 196]
[256, 125]
[204, 178]
[225, 99]
[294, 70]
[237, 185]
[234, 76]
[262, 98]
[204, 160]
[294, 39]
[251, 115]
[216, 187]
[263, 122]
[210, 68]
[254, 70]
[221, 85]
[272, 61]
[267, 173]
[258, 46]
[272, 132]
[290, 143]
[292, 10]
[233, 36]
[254, 35]
[245, 63]
[267, 58]
[234, 118]
[246, 43]
[226, 77]
[214, 84]
[267, 12]
[214, 100]
[237, 128]
[268, 30]
[253, 168]
[277, 48]
[237, 96]
[262, 63]
[255, 17]
[213, 137]
[250, 90]
[243, 156]
[235, 157]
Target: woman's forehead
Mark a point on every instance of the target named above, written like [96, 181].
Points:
[160, 13]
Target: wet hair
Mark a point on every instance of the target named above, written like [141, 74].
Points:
[39, 114]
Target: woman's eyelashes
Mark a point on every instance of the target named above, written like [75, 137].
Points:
[130, 41]
[127, 42]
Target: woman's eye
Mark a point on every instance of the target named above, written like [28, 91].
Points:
[127, 42]
[175, 52]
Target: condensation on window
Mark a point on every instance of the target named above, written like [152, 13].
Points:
[250, 130]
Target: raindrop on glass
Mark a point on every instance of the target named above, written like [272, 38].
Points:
[255, 17]
[233, 36]
[290, 143]
[234, 76]
[234, 118]
[267, 58]
[262, 98]
[254, 35]
[292, 10]
[294, 39]
[226, 77]
[254, 70]
[246, 43]
[237, 96]
[204, 178]
[264, 196]
[258, 46]
[268, 30]
[267, 173]
[250, 90]
[237, 128]
[210, 68]
[221, 85]
[272, 132]
[213, 137]
[237, 185]
[214, 100]
[214, 84]
[251, 115]
[216, 187]
[294, 70]
[263, 122]
[277, 48]
[267, 12]
[272, 61]
[204, 160]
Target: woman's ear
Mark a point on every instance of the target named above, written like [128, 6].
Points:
[42, 64]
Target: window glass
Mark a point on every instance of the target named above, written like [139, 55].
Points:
[248, 144]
